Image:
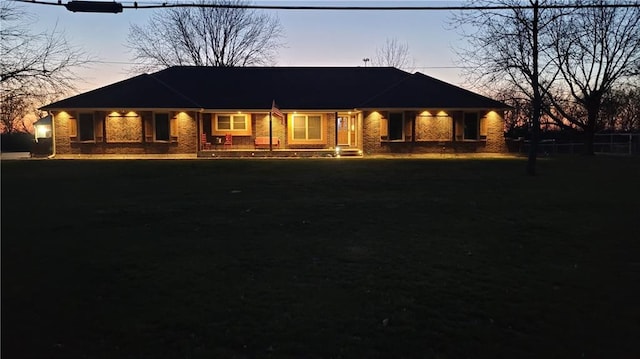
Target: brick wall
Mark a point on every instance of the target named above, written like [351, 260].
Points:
[431, 130]
[261, 128]
[434, 128]
[331, 130]
[61, 132]
[495, 132]
[117, 140]
[123, 129]
[434, 133]
[187, 133]
[371, 133]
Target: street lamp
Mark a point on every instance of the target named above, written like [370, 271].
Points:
[366, 59]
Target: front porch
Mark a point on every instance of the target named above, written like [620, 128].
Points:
[292, 153]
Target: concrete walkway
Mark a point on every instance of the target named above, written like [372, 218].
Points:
[26, 156]
[126, 157]
[15, 156]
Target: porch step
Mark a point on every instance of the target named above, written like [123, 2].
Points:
[350, 152]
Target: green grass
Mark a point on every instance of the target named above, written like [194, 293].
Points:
[324, 258]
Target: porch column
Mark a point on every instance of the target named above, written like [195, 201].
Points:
[144, 129]
[104, 128]
[270, 132]
[336, 130]
[413, 128]
[199, 132]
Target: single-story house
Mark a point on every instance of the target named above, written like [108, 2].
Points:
[249, 111]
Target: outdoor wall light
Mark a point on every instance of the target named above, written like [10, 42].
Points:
[122, 114]
[42, 131]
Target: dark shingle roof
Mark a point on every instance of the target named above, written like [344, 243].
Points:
[142, 91]
[422, 91]
[194, 87]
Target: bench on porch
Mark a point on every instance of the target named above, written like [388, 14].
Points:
[263, 142]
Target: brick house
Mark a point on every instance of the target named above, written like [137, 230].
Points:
[224, 111]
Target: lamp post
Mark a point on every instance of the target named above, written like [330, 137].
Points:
[366, 59]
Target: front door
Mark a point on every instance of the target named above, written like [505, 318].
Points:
[347, 130]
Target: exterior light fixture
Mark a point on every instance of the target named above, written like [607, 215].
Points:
[94, 6]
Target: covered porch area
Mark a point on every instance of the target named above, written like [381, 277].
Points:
[278, 153]
[296, 134]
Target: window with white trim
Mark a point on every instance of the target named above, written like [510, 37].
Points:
[232, 123]
[307, 127]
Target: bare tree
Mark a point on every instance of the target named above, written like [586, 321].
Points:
[206, 36]
[34, 67]
[559, 58]
[621, 110]
[508, 48]
[393, 54]
[595, 49]
[517, 118]
[12, 115]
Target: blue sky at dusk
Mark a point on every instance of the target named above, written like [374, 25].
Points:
[312, 37]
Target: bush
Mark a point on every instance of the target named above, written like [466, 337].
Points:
[16, 142]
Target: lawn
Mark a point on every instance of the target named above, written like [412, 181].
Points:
[321, 258]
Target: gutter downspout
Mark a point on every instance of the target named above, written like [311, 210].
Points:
[53, 136]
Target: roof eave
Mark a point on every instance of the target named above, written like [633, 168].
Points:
[431, 108]
[119, 109]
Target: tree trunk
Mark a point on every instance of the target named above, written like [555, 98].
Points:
[537, 97]
[593, 109]
[535, 138]
[589, 139]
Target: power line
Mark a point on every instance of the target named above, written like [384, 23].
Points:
[141, 5]
[112, 62]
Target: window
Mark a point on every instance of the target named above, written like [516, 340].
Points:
[232, 123]
[307, 127]
[86, 127]
[161, 126]
[471, 126]
[396, 126]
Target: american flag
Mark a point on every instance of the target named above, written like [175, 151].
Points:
[275, 110]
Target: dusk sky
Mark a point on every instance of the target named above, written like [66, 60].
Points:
[312, 38]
